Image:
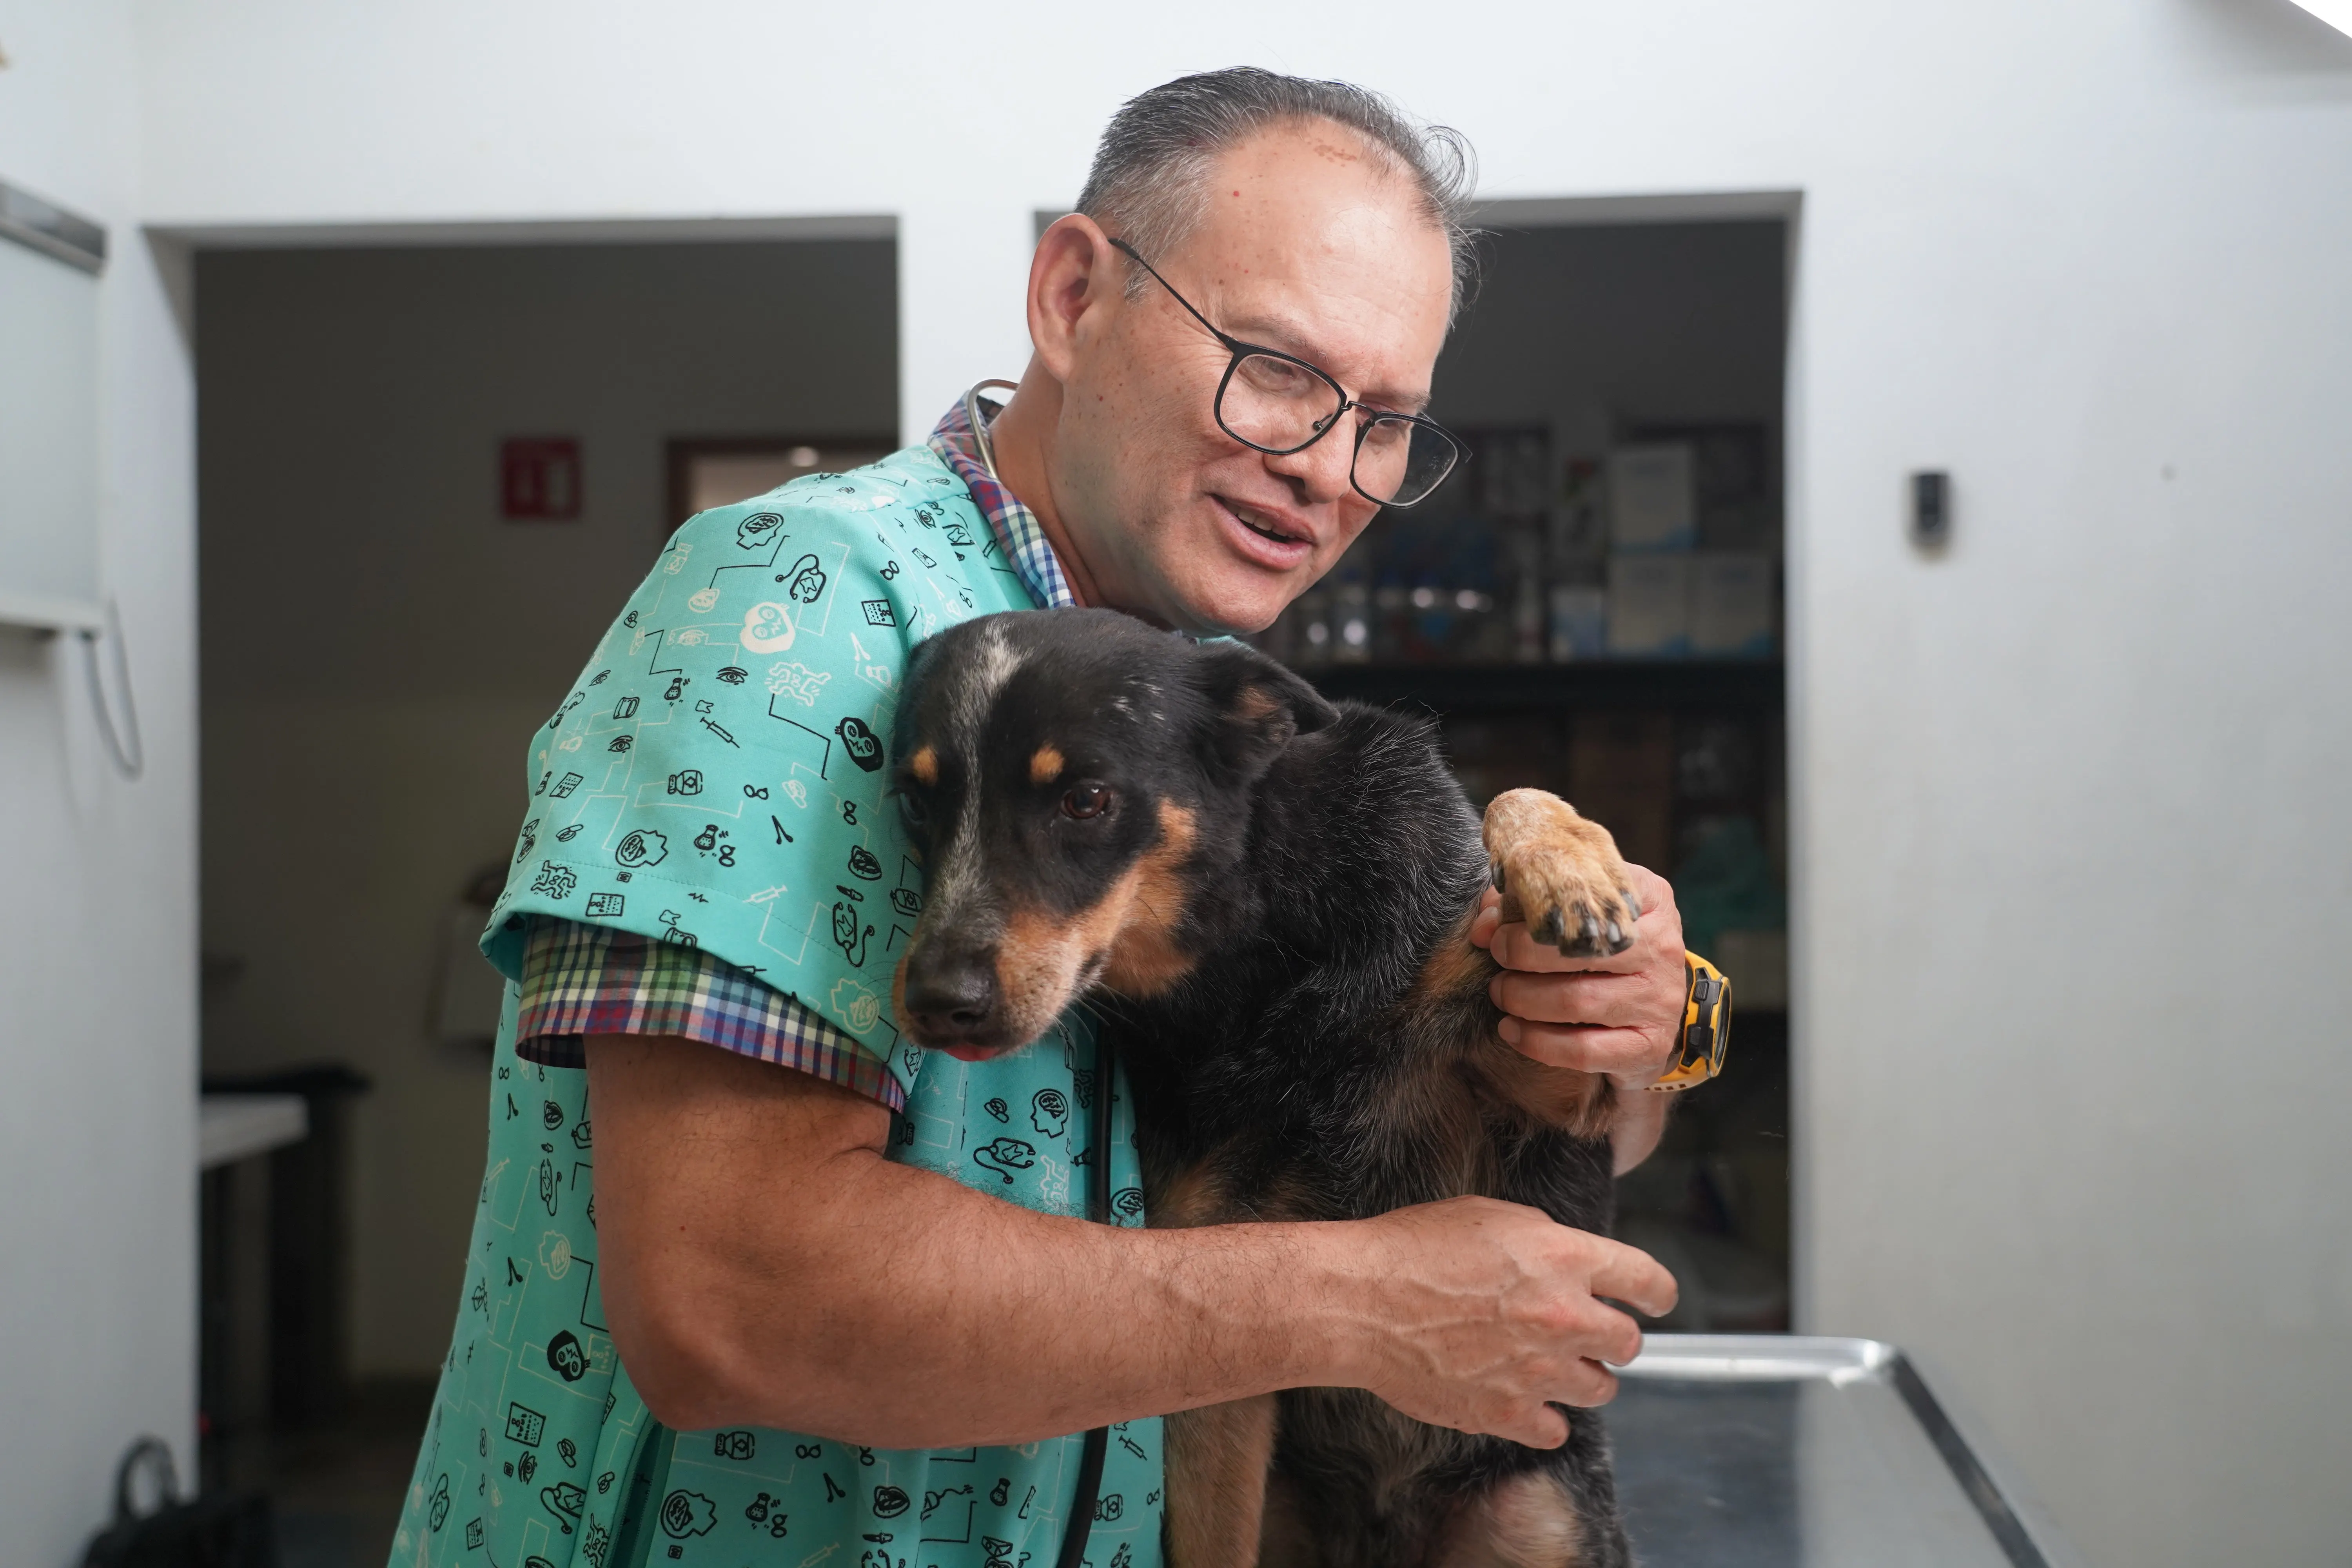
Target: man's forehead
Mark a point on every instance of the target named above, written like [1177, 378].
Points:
[1313, 242]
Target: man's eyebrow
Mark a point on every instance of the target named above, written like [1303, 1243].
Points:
[1279, 332]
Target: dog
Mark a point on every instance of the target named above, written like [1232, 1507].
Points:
[1267, 898]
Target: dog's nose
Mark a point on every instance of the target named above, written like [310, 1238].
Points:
[950, 993]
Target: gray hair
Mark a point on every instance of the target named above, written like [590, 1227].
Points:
[1149, 181]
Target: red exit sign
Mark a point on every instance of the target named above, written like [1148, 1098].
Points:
[539, 479]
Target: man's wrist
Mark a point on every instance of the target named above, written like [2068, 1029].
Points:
[1327, 1315]
[1636, 1126]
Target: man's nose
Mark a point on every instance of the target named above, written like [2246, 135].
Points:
[950, 990]
[1321, 470]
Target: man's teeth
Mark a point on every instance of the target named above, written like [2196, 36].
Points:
[1257, 524]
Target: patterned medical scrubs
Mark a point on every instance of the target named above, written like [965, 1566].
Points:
[707, 839]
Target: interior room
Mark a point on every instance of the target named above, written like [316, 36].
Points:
[1904, 504]
[365, 682]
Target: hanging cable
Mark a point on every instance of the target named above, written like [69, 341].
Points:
[131, 760]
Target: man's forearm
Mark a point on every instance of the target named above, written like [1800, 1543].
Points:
[952, 1317]
[874, 1303]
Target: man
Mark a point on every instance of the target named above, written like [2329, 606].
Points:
[815, 1293]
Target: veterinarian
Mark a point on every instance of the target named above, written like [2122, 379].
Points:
[751, 1280]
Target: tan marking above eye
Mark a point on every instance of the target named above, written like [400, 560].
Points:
[1256, 702]
[1178, 827]
[925, 765]
[1047, 765]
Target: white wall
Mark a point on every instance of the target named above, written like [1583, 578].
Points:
[98, 898]
[378, 647]
[2071, 864]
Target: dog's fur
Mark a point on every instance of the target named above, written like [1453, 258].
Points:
[1269, 902]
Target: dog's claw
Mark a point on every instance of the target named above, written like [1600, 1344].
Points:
[1632, 904]
[1495, 874]
[1616, 937]
[1547, 930]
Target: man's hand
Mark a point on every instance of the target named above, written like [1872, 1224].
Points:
[1617, 1015]
[1494, 1320]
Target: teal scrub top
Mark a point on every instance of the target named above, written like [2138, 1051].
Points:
[716, 777]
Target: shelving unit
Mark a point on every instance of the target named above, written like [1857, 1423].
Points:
[1682, 685]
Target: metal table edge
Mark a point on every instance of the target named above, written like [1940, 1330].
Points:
[1841, 1360]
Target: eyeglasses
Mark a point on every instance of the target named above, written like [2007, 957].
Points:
[1279, 404]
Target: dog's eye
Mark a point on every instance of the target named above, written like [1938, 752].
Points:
[1085, 800]
[911, 812]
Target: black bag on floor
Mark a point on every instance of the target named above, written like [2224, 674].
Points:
[222, 1531]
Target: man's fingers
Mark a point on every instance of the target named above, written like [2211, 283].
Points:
[1620, 1053]
[1541, 1426]
[1589, 1384]
[1630, 1275]
[1615, 1001]
[1489, 916]
[1658, 894]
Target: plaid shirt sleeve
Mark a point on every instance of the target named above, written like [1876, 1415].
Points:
[581, 980]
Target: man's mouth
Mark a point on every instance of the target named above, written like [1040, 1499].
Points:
[1279, 540]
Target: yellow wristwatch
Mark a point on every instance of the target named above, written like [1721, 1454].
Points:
[1706, 1027]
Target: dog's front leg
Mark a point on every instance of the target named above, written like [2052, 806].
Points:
[1218, 1456]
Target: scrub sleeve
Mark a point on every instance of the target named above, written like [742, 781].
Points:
[715, 779]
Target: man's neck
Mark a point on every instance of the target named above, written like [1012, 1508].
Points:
[1022, 441]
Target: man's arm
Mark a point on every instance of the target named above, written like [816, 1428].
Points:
[1620, 1014]
[763, 1265]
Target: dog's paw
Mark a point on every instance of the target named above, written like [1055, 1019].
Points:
[1561, 874]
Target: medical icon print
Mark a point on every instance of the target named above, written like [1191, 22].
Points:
[714, 778]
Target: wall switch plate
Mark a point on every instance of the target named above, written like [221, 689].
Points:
[1931, 509]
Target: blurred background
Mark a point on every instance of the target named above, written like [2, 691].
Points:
[1910, 499]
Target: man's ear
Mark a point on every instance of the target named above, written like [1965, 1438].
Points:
[1072, 271]
[1257, 707]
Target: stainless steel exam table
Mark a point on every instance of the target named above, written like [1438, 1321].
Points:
[1789, 1451]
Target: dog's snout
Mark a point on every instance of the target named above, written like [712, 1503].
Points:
[950, 993]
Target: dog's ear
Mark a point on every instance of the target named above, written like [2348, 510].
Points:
[1255, 707]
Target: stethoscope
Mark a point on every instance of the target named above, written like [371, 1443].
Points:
[1098, 1441]
[980, 437]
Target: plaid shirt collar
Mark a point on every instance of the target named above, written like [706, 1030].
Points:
[1018, 533]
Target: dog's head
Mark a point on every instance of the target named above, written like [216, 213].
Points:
[1070, 776]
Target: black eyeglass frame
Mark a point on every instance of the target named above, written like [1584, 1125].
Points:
[1242, 351]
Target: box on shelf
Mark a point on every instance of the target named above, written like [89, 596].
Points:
[1649, 605]
[1731, 603]
[1577, 624]
[1652, 503]
[1576, 531]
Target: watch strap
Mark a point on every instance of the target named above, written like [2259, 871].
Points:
[1705, 1031]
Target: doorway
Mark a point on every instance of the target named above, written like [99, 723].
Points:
[431, 470]
[1592, 604]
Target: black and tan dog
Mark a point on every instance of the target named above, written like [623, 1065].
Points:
[1268, 900]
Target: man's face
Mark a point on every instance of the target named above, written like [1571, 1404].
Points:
[1311, 245]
